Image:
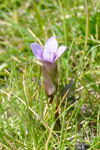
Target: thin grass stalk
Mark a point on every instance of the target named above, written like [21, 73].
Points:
[64, 24]
[87, 25]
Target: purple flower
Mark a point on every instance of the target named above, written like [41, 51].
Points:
[50, 52]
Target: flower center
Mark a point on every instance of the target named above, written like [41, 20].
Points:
[49, 56]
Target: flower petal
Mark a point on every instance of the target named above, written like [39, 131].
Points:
[60, 51]
[51, 45]
[49, 57]
[37, 50]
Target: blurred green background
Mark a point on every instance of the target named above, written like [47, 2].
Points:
[24, 107]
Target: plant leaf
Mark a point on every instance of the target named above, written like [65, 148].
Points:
[70, 87]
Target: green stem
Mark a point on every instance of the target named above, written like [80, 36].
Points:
[64, 24]
[87, 25]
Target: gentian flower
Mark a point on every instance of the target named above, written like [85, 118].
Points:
[50, 52]
[48, 56]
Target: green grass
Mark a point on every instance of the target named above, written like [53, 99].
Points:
[26, 116]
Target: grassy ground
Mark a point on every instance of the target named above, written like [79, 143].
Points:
[26, 117]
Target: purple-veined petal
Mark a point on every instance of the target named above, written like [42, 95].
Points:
[37, 50]
[51, 45]
[60, 51]
[49, 57]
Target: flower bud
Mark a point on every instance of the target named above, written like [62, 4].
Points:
[49, 75]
